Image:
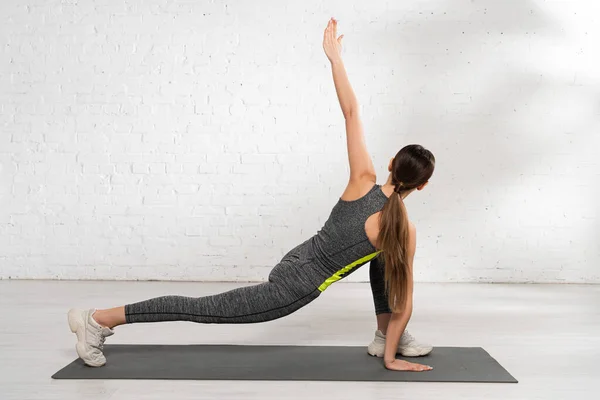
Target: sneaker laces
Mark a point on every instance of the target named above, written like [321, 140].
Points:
[101, 344]
[100, 338]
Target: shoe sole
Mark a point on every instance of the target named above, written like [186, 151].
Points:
[405, 352]
[374, 353]
[77, 326]
[411, 352]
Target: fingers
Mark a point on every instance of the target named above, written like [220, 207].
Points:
[420, 367]
[331, 29]
[327, 32]
[399, 365]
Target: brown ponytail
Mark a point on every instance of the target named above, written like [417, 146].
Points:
[412, 167]
[393, 240]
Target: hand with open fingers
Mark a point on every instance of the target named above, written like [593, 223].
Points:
[332, 44]
[401, 365]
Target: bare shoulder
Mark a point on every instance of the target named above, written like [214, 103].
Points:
[358, 187]
[412, 228]
[412, 234]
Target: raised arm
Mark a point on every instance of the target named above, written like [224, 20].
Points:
[361, 165]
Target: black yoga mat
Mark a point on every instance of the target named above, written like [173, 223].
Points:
[290, 363]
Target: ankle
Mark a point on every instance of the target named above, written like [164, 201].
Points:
[99, 317]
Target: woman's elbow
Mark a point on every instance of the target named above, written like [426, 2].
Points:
[403, 311]
[350, 114]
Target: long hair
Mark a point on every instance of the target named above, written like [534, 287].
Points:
[411, 167]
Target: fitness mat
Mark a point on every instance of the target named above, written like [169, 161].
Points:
[288, 363]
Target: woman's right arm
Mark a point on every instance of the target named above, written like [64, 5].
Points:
[400, 319]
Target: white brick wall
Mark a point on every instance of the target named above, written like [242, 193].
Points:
[202, 140]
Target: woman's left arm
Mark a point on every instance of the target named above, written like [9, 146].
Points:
[360, 161]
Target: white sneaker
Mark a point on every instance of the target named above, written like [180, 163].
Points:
[408, 346]
[90, 336]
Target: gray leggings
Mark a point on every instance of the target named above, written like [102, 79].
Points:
[288, 289]
[377, 280]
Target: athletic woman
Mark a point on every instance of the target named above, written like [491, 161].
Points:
[368, 224]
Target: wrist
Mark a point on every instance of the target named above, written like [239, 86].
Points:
[336, 61]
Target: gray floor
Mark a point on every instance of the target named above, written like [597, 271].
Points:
[547, 336]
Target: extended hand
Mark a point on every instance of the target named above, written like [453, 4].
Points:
[331, 43]
[401, 365]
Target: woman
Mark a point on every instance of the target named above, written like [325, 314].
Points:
[369, 223]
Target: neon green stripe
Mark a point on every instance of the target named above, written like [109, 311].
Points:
[338, 275]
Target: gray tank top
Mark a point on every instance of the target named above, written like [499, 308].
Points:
[342, 245]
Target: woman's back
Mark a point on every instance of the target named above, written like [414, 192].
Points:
[342, 243]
